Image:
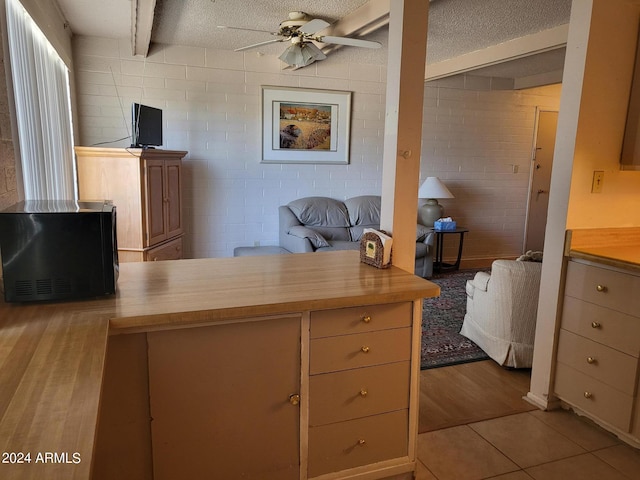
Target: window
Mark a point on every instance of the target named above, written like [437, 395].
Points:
[43, 110]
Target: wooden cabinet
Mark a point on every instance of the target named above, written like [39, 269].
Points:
[322, 393]
[145, 186]
[359, 387]
[220, 400]
[599, 346]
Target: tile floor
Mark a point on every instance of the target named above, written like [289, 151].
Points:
[556, 445]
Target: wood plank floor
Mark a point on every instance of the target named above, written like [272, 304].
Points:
[471, 392]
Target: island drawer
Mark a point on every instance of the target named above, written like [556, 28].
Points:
[345, 352]
[605, 364]
[608, 288]
[593, 396]
[603, 325]
[368, 440]
[344, 321]
[335, 397]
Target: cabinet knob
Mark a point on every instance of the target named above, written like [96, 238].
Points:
[588, 394]
[365, 349]
[294, 399]
[362, 441]
[363, 393]
[591, 360]
[601, 288]
[366, 318]
[595, 325]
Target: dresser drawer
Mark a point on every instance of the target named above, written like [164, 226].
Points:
[605, 364]
[171, 250]
[368, 440]
[615, 329]
[333, 354]
[616, 290]
[326, 323]
[594, 397]
[335, 397]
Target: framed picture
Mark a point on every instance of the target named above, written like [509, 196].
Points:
[303, 125]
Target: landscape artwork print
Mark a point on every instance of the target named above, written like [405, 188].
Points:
[305, 125]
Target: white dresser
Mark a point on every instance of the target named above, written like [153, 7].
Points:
[599, 346]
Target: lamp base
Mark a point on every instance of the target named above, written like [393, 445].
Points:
[430, 212]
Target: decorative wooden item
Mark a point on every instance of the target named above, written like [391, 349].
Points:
[375, 248]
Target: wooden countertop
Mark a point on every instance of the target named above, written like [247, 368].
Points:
[617, 247]
[52, 354]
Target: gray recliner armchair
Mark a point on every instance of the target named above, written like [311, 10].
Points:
[320, 223]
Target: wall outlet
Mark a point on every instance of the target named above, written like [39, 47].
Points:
[598, 179]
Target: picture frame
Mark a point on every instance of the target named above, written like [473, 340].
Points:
[304, 125]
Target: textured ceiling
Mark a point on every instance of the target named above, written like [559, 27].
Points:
[456, 27]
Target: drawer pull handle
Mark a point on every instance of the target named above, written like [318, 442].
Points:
[365, 349]
[588, 394]
[595, 325]
[363, 393]
[294, 399]
[366, 318]
[601, 288]
[362, 441]
[591, 360]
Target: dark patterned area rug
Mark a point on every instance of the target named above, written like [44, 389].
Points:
[442, 318]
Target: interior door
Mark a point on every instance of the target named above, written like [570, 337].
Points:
[541, 180]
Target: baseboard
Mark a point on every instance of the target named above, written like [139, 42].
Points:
[542, 403]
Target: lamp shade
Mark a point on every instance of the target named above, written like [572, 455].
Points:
[432, 187]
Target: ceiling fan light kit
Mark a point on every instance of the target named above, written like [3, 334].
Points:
[301, 54]
[301, 30]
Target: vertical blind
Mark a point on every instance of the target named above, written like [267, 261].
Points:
[43, 110]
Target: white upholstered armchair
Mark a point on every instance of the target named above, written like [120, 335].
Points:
[501, 311]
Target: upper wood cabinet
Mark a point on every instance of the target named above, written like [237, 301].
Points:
[145, 187]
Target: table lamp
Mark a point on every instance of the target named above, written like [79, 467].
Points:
[432, 189]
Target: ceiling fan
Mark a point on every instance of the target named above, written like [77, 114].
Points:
[301, 30]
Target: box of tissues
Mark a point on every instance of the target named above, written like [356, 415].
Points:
[444, 225]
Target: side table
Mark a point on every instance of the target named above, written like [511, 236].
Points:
[438, 264]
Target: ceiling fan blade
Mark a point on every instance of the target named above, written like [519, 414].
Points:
[260, 44]
[247, 29]
[352, 42]
[313, 26]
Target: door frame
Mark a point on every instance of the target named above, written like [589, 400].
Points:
[532, 159]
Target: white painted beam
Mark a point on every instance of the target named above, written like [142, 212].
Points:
[550, 39]
[366, 19]
[142, 12]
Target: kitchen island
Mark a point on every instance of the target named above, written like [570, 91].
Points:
[82, 380]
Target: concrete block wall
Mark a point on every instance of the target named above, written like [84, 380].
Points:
[211, 105]
[478, 139]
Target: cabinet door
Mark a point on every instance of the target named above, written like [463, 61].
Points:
[155, 202]
[174, 197]
[220, 403]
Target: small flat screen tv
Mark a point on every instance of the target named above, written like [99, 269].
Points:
[146, 128]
